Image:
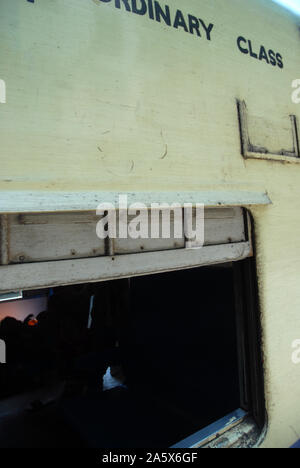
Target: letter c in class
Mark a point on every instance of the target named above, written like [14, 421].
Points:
[239, 41]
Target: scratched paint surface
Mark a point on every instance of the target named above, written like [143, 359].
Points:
[101, 99]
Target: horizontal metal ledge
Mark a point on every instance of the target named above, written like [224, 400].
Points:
[41, 202]
[50, 274]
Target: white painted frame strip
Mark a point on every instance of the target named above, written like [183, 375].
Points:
[51, 274]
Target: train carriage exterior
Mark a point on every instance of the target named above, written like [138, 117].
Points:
[188, 102]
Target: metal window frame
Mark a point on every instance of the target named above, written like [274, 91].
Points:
[51, 274]
[250, 418]
[250, 341]
[45, 274]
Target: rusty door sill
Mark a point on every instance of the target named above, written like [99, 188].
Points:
[235, 430]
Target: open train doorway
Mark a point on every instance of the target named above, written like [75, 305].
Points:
[145, 362]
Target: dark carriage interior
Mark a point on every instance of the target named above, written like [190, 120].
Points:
[132, 363]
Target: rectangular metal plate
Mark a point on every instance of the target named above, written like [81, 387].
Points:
[268, 137]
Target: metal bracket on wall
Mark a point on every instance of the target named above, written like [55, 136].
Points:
[252, 151]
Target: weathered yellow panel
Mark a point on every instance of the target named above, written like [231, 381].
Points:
[99, 98]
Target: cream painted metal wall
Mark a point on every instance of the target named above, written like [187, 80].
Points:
[100, 99]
